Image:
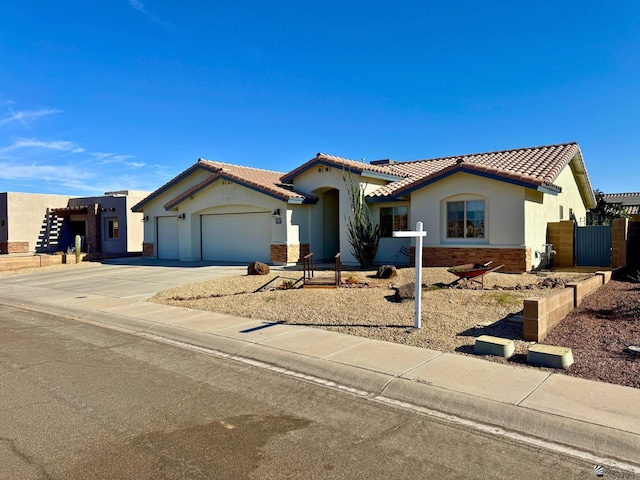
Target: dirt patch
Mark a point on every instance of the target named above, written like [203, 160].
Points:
[599, 333]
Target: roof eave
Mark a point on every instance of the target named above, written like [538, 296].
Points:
[139, 207]
[550, 189]
[579, 170]
[546, 188]
[221, 176]
[380, 176]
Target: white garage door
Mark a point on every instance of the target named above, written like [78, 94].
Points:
[237, 237]
[168, 238]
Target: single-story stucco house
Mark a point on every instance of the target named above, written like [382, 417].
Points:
[488, 206]
[42, 223]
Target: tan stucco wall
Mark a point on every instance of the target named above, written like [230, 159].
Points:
[540, 209]
[26, 214]
[298, 223]
[134, 224]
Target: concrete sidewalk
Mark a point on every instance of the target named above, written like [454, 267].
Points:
[596, 417]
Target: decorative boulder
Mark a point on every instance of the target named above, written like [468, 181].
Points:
[257, 268]
[387, 271]
[405, 292]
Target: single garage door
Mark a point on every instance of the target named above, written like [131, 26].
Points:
[167, 240]
[236, 237]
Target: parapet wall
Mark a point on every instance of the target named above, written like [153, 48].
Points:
[541, 315]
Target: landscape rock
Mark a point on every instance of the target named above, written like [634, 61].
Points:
[387, 271]
[405, 292]
[258, 268]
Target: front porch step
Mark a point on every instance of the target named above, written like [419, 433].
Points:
[320, 282]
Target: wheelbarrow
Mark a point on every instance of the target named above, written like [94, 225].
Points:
[472, 272]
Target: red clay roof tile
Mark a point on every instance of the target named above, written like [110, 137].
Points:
[535, 166]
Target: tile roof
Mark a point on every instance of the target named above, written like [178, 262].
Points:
[629, 200]
[536, 167]
[265, 181]
[342, 163]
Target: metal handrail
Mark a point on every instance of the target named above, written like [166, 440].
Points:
[307, 268]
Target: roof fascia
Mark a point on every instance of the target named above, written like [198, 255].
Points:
[139, 207]
[381, 176]
[579, 171]
[182, 197]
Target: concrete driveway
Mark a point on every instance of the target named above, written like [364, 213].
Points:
[134, 278]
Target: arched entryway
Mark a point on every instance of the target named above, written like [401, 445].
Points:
[330, 223]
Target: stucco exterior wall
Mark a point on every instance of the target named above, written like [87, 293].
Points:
[134, 225]
[541, 209]
[26, 217]
[299, 223]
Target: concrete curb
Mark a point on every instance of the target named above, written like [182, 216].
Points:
[592, 438]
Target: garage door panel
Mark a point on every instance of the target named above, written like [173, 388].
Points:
[167, 238]
[237, 237]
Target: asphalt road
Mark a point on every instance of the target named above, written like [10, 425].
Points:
[79, 401]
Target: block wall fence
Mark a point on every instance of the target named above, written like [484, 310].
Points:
[541, 315]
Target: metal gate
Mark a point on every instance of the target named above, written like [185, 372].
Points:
[593, 246]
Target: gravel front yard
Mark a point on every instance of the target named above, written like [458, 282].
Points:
[451, 317]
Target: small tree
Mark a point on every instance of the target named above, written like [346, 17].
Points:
[604, 213]
[363, 231]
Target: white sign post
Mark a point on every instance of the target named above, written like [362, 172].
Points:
[418, 234]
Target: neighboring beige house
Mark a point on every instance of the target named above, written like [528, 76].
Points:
[40, 223]
[475, 208]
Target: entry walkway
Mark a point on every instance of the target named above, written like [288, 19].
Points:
[590, 416]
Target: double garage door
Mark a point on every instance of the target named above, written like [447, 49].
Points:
[237, 237]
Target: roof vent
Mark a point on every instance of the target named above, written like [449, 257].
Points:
[460, 160]
[384, 161]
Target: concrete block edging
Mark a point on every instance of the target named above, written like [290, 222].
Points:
[542, 314]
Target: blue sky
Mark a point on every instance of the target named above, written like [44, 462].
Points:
[100, 95]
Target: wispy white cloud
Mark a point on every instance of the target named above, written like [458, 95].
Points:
[34, 171]
[32, 143]
[138, 5]
[110, 158]
[22, 116]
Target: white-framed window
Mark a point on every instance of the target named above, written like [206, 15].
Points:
[112, 229]
[393, 219]
[466, 219]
